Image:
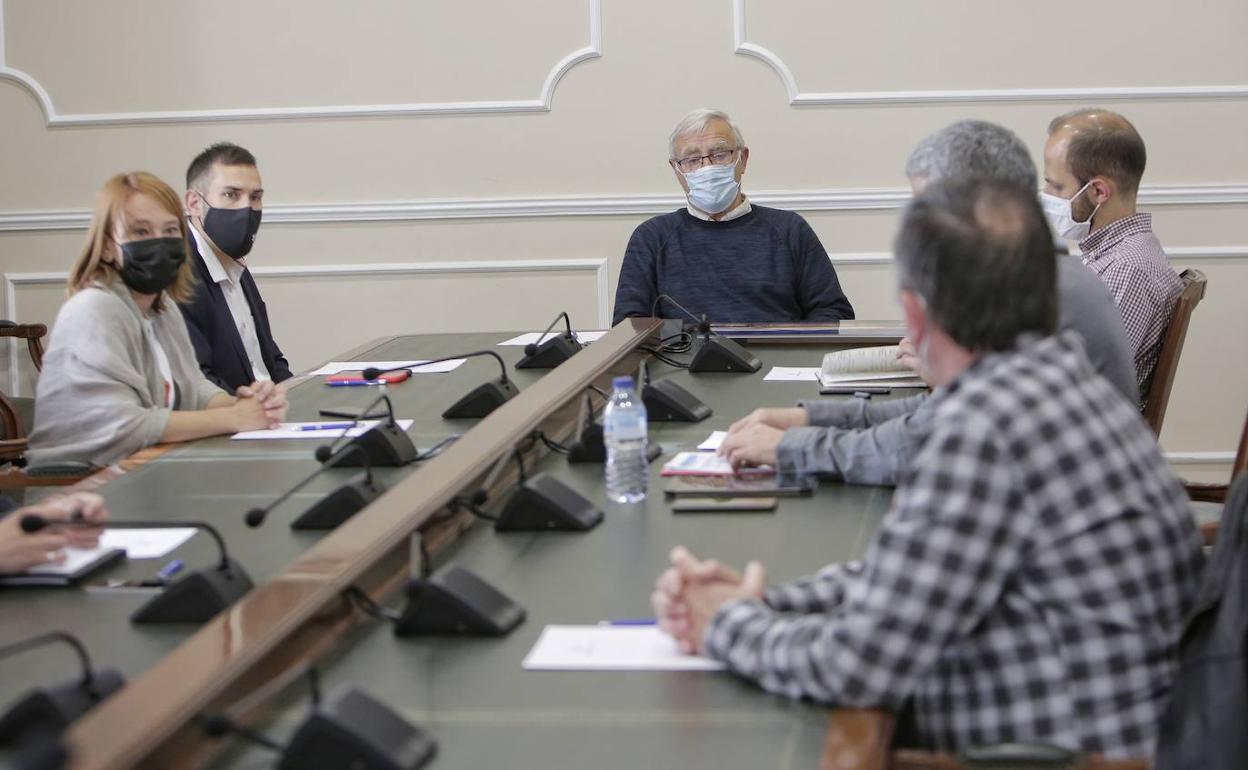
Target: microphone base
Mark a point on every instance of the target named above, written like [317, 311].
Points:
[385, 444]
[590, 446]
[454, 601]
[45, 712]
[720, 354]
[482, 400]
[543, 503]
[550, 353]
[668, 401]
[354, 729]
[341, 504]
[196, 597]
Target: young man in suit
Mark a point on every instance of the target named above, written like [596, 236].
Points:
[227, 320]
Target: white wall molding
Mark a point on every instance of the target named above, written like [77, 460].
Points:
[955, 96]
[599, 267]
[845, 199]
[1199, 458]
[541, 104]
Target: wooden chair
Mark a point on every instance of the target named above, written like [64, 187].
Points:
[15, 416]
[14, 413]
[1171, 347]
[1216, 493]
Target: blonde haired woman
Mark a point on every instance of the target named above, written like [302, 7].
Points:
[120, 373]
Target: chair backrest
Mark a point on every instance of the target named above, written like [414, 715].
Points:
[32, 333]
[1241, 456]
[1171, 347]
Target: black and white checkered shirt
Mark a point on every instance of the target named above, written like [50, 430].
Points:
[1129, 259]
[1029, 583]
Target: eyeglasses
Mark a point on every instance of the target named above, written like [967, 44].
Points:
[717, 158]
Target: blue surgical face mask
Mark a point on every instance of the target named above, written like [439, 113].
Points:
[713, 188]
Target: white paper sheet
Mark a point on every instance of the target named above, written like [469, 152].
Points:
[146, 543]
[793, 374]
[524, 339]
[611, 648]
[334, 367]
[289, 430]
[708, 464]
[712, 443]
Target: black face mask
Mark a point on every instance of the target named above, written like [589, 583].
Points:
[150, 266]
[232, 230]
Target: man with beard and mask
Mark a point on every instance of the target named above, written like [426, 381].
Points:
[120, 373]
[227, 319]
[721, 255]
[1093, 163]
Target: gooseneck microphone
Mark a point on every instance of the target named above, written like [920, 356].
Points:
[716, 353]
[384, 444]
[46, 711]
[553, 351]
[335, 507]
[194, 597]
[372, 372]
[479, 401]
[33, 522]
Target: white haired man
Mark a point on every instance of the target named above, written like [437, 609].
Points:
[721, 255]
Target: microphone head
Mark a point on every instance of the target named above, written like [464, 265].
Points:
[255, 517]
[323, 453]
[371, 373]
[480, 497]
[33, 522]
[530, 349]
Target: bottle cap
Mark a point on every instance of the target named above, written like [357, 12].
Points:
[622, 383]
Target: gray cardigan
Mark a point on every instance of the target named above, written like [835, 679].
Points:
[100, 396]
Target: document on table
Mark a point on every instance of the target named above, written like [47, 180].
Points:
[712, 443]
[78, 563]
[708, 464]
[334, 367]
[611, 648]
[146, 543]
[289, 430]
[793, 374]
[532, 337]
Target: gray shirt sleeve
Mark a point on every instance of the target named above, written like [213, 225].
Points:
[858, 412]
[858, 454]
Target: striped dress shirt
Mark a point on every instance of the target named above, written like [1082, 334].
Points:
[1129, 259]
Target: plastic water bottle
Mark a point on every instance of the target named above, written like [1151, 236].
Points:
[624, 432]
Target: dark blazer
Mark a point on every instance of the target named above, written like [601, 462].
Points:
[217, 344]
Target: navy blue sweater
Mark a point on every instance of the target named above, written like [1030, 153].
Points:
[766, 266]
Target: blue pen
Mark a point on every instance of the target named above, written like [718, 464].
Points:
[325, 426]
[350, 383]
[630, 622]
[169, 570]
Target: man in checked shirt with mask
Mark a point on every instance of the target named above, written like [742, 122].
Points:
[1030, 581]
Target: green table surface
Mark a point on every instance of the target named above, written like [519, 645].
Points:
[472, 694]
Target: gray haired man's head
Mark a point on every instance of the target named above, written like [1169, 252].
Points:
[971, 149]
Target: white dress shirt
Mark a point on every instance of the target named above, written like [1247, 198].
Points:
[229, 278]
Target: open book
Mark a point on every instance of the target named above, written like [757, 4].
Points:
[868, 367]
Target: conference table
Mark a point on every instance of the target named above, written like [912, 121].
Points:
[470, 694]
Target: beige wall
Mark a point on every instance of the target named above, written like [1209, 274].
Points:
[447, 164]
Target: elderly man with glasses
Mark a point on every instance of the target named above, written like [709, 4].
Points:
[721, 255]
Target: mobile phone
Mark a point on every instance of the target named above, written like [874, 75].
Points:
[351, 413]
[724, 504]
[779, 485]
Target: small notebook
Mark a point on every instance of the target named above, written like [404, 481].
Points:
[79, 562]
[867, 366]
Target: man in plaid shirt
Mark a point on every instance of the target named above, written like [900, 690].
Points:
[1031, 579]
[1093, 162]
